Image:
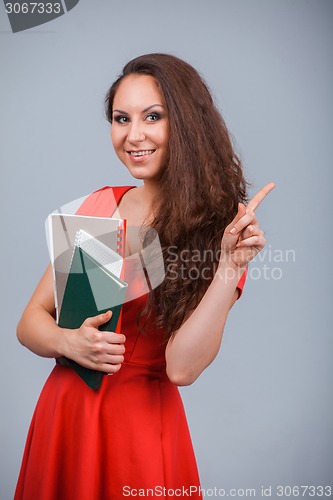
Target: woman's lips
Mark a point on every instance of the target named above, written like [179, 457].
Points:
[140, 155]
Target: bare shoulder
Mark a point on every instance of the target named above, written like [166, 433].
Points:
[133, 207]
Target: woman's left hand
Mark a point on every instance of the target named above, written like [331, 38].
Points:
[243, 238]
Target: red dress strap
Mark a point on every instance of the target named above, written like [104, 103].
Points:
[241, 282]
[103, 202]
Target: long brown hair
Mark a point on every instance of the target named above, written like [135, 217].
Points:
[200, 187]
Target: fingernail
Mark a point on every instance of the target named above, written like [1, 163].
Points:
[233, 230]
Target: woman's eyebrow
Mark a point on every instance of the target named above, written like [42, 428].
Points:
[119, 111]
[152, 106]
[144, 111]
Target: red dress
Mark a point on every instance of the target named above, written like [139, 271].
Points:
[128, 437]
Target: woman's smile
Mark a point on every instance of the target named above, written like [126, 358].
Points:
[139, 156]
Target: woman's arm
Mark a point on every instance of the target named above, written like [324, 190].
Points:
[196, 343]
[38, 331]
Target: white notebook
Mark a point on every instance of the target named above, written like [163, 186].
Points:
[63, 232]
[105, 256]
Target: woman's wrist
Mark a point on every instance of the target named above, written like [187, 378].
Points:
[62, 343]
[228, 272]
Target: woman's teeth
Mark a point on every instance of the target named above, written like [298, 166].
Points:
[142, 153]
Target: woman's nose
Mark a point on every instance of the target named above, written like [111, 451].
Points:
[136, 132]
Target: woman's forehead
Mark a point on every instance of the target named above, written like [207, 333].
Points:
[138, 90]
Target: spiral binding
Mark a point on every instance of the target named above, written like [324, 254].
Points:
[104, 255]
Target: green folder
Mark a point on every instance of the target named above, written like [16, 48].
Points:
[91, 289]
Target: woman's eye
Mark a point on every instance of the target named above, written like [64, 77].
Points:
[121, 119]
[153, 117]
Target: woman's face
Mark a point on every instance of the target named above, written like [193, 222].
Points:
[140, 126]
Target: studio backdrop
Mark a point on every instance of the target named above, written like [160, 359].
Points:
[261, 415]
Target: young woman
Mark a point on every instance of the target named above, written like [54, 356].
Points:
[130, 437]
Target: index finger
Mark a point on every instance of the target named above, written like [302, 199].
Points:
[257, 198]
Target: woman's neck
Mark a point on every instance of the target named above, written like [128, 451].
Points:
[149, 192]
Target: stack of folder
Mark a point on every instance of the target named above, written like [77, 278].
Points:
[92, 284]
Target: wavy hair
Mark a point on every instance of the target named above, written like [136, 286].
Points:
[200, 187]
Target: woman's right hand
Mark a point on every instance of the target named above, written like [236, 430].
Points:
[95, 349]
[37, 330]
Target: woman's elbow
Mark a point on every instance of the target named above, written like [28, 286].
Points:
[22, 328]
[20, 332]
[181, 378]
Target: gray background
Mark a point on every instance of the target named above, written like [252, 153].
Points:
[261, 415]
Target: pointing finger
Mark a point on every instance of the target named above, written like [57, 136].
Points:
[258, 198]
[241, 211]
[248, 218]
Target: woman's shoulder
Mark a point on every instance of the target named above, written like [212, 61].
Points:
[104, 201]
[133, 206]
